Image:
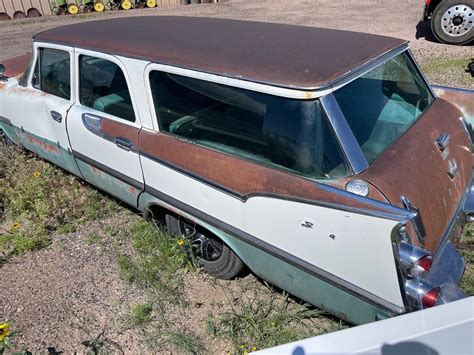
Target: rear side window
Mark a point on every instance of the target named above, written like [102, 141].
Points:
[53, 73]
[103, 87]
[280, 132]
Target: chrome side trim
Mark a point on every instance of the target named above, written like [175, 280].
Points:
[380, 209]
[344, 134]
[276, 252]
[118, 175]
[93, 123]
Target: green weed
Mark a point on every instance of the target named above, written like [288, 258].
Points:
[39, 200]
[141, 313]
[267, 319]
[159, 264]
[94, 238]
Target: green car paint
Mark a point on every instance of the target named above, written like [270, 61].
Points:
[45, 148]
[287, 277]
[108, 183]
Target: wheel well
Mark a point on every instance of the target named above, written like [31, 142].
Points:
[432, 6]
[156, 213]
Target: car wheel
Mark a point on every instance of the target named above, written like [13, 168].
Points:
[212, 253]
[452, 21]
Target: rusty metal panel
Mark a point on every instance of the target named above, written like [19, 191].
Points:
[231, 47]
[415, 167]
[242, 178]
[16, 66]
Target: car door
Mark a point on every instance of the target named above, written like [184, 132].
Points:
[103, 126]
[39, 108]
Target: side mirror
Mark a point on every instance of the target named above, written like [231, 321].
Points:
[2, 70]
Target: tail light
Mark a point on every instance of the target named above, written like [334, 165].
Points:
[430, 298]
[414, 259]
[421, 294]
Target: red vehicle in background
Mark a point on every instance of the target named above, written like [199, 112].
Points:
[451, 20]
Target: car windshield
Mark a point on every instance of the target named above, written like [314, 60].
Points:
[383, 104]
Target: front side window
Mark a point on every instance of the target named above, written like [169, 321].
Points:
[383, 104]
[289, 134]
[53, 73]
[103, 87]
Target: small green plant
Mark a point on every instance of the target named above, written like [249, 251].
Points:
[186, 343]
[94, 238]
[466, 247]
[39, 200]
[141, 313]
[266, 319]
[160, 262]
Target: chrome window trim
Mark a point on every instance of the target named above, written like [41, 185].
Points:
[275, 89]
[357, 73]
[350, 147]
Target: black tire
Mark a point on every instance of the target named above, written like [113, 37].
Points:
[224, 265]
[440, 24]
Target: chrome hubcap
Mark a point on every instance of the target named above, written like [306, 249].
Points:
[204, 247]
[457, 20]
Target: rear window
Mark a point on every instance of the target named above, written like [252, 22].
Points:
[290, 134]
[383, 104]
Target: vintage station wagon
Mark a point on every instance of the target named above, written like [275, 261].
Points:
[322, 160]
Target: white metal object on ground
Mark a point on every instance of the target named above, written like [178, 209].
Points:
[443, 330]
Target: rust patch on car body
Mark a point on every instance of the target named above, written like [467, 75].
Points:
[261, 52]
[462, 99]
[112, 129]
[17, 66]
[243, 178]
[416, 168]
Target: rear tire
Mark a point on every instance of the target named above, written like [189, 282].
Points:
[452, 21]
[213, 254]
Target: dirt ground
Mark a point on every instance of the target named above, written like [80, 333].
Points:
[57, 295]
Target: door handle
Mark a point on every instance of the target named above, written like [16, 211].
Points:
[123, 143]
[56, 116]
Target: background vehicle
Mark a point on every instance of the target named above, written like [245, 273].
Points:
[451, 20]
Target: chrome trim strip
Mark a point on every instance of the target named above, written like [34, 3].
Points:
[344, 134]
[88, 122]
[275, 89]
[276, 252]
[351, 76]
[381, 209]
[118, 175]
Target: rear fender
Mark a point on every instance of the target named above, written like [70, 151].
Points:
[463, 99]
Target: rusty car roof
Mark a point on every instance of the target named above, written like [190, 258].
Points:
[297, 57]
